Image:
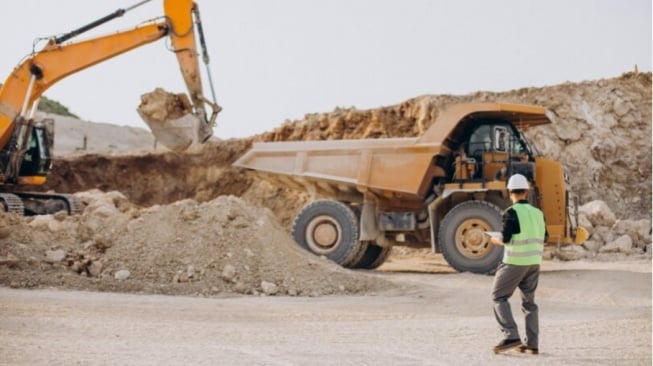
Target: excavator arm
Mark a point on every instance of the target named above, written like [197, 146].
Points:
[35, 74]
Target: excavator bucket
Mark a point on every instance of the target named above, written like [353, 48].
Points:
[171, 120]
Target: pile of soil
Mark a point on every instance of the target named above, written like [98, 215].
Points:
[217, 247]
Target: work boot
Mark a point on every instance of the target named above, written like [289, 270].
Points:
[507, 344]
[527, 350]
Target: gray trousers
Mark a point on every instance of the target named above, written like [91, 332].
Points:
[507, 278]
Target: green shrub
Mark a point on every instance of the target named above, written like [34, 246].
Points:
[52, 106]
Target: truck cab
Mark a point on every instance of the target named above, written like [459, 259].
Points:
[492, 151]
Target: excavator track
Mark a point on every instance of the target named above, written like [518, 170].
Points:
[49, 203]
[35, 203]
[12, 203]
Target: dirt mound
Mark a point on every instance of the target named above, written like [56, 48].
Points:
[220, 246]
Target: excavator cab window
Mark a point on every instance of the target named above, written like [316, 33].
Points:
[37, 157]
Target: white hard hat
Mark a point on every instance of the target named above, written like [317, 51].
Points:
[517, 181]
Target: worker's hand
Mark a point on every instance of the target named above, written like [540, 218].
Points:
[496, 241]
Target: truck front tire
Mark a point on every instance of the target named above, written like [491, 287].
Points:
[462, 241]
[330, 228]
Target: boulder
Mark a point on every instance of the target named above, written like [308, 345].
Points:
[571, 253]
[598, 213]
[638, 230]
[622, 244]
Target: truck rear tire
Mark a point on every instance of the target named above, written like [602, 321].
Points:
[373, 257]
[329, 228]
[462, 241]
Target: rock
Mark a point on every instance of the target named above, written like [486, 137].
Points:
[181, 277]
[571, 253]
[60, 216]
[593, 246]
[191, 273]
[105, 211]
[95, 268]
[5, 230]
[638, 230]
[45, 221]
[621, 107]
[10, 260]
[228, 272]
[241, 288]
[122, 275]
[598, 213]
[269, 288]
[54, 256]
[603, 235]
[622, 244]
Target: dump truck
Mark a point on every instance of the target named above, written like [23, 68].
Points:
[442, 190]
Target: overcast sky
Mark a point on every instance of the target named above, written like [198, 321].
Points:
[274, 60]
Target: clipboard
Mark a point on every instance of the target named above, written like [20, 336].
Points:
[493, 234]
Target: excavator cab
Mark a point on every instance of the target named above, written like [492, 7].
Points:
[37, 159]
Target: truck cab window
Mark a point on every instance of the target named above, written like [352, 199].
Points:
[505, 140]
[480, 141]
[501, 139]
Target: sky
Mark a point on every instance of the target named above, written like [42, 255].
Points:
[277, 60]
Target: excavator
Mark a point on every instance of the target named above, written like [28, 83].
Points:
[26, 144]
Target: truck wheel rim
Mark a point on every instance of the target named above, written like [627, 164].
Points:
[470, 240]
[323, 234]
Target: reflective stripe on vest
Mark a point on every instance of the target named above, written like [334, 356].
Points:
[525, 248]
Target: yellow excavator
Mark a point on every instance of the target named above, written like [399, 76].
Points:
[26, 144]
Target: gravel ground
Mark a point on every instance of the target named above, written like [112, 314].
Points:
[591, 314]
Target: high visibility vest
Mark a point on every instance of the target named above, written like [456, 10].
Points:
[525, 248]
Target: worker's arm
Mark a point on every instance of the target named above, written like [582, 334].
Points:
[510, 227]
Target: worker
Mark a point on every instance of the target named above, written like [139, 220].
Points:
[523, 236]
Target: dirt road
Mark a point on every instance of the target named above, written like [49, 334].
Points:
[591, 314]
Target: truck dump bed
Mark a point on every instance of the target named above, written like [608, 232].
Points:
[390, 167]
[383, 166]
